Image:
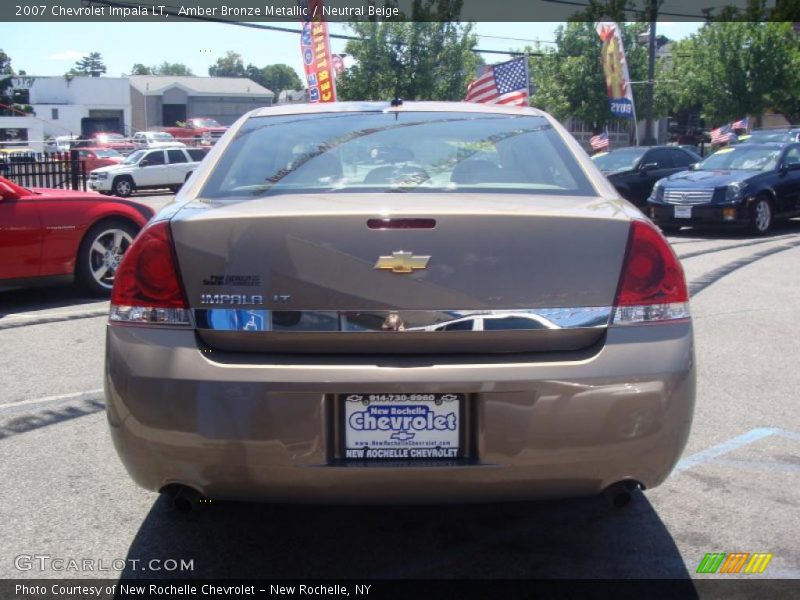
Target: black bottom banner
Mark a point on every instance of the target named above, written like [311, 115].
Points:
[504, 589]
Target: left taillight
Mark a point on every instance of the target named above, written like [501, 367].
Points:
[147, 285]
[652, 287]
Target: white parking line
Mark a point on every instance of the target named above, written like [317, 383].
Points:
[46, 315]
[49, 398]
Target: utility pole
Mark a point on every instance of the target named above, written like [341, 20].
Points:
[652, 10]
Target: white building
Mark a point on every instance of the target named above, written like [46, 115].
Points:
[80, 106]
[21, 132]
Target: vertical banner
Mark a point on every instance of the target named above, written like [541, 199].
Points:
[316, 48]
[615, 68]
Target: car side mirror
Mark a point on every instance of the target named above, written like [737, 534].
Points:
[790, 166]
[7, 192]
[144, 163]
[648, 166]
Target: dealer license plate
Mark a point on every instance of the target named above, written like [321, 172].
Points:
[402, 426]
[683, 212]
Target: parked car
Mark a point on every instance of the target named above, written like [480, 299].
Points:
[256, 344]
[783, 135]
[60, 143]
[748, 185]
[147, 169]
[51, 234]
[94, 158]
[102, 139]
[197, 131]
[155, 139]
[634, 170]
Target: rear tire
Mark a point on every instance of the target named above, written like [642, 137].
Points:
[123, 186]
[761, 216]
[101, 252]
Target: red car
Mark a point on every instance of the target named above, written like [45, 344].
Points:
[48, 234]
[94, 158]
[197, 131]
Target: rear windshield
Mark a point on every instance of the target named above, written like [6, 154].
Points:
[402, 152]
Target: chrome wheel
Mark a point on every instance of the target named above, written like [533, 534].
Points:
[762, 216]
[105, 254]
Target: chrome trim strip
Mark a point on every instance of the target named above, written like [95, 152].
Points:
[320, 321]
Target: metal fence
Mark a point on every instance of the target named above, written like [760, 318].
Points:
[62, 170]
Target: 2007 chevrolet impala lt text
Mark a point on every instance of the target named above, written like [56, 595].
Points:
[399, 302]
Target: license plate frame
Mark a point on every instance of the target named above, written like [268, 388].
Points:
[419, 427]
[683, 212]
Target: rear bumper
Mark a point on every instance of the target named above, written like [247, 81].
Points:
[260, 428]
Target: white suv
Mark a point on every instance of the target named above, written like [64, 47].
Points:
[167, 168]
[155, 139]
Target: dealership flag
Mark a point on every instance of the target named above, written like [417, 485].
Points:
[721, 135]
[337, 60]
[504, 83]
[316, 48]
[741, 124]
[599, 142]
[615, 69]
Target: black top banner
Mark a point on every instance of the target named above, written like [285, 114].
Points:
[397, 10]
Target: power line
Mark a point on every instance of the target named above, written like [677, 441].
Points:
[669, 14]
[340, 36]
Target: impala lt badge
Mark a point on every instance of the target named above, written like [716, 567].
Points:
[402, 262]
[242, 299]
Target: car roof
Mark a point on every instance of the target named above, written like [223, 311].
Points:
[341, 107]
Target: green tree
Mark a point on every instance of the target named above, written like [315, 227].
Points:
[176, 69]
[738, 68]
[165, 68]
[6, 73]
[230, 65]
[568, 80]
[414, 61]
[90, 64]
[140, 69]
[275, 77]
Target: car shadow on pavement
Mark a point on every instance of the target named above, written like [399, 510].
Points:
[29, 299]
[575, 538]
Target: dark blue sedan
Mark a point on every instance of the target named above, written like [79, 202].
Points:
[748, 185]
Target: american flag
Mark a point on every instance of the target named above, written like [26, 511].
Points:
[721, 135]
[741, 124]
[504, 83]
[599, 141]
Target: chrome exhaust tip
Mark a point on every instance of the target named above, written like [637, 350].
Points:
[620, 494]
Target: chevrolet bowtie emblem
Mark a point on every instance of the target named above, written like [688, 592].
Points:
[402, 262]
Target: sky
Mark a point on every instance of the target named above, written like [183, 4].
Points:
[52, 48]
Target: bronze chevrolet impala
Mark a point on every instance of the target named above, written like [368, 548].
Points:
[368, 303]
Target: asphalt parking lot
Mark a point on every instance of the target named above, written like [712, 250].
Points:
[736, 489]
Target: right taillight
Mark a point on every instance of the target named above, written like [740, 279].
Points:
[652, 287]
[147, 286]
